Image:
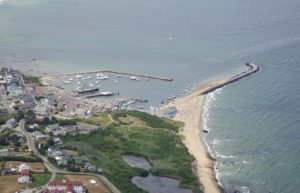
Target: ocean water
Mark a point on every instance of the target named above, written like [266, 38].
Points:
[254, 124]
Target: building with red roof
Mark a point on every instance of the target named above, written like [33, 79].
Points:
[25, 177]
[65, 187]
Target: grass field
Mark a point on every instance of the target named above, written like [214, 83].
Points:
[157, 140]
[32, 80]
[8, 184]
[100, 119]
[39, 179]
[36, 166]
[99, 187]
[23, 154]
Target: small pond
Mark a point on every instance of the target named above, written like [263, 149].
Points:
[157, 184]
[137, 161]
[152, 183]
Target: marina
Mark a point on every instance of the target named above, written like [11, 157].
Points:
[101, 76]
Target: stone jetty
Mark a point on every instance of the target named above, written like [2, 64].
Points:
[253, 68]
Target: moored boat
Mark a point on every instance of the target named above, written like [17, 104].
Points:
[87, 89]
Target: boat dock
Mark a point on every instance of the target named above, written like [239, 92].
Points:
[253, 68]
[114, 72]
[101, 94]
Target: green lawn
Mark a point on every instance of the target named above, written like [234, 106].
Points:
[161, 146]
[59, 177]
[150, 120]
[32, 80]
[39, 179]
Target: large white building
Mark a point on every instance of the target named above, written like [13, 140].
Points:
[65, 187]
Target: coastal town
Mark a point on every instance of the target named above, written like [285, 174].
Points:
[33, 116]
[149, 96]
[47, 135]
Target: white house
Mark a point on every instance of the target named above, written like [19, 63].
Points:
[25, 177]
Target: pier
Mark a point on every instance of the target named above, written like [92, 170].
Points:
[101, 94]
[253, 68]
[114, 72]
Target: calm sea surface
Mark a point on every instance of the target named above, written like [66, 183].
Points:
[254, 124]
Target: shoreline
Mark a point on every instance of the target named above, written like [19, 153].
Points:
[190, 111]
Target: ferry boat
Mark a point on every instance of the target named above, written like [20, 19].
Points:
[86, 89]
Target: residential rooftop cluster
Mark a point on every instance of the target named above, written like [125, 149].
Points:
[14, 92]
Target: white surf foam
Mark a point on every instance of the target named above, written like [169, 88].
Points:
[225, 156]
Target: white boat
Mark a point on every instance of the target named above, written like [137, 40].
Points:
[105, 76]
[102, 76]
[133, 78]
[89, 77]
[70, 79]
[99, 78]
[79, 76]
[67, 82]
[116, 81]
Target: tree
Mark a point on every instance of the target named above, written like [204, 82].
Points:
[29, 117]
[51, 159]
[50, 142]
[19, 115]
[46, 121]
[3, 141]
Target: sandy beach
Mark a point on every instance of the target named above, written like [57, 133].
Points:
[190, 110]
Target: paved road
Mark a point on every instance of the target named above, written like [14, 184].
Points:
[31, 147]
[52, 168]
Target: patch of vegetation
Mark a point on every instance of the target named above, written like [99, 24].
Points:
[21, 159]
[59, 177]
[39, 97]
[99, 119]
[32, 80]
[161, 146]
[2, 163]
[39, 179]
[4, 116]
[3, 137]
[63, 122]
[150, 120]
